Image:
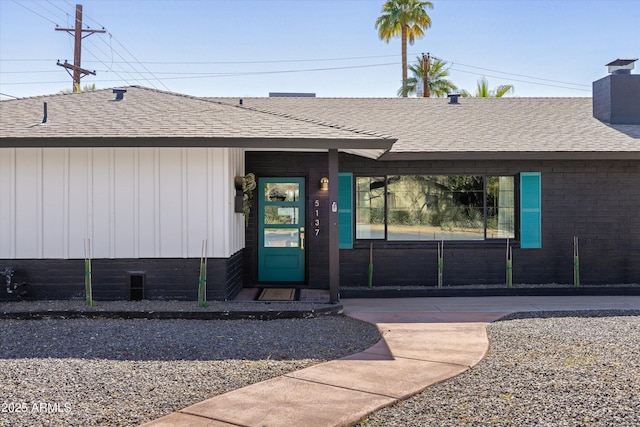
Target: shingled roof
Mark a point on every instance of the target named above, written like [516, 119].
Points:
[147, 117]
[476, 128]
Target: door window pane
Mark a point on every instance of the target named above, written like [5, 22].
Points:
[281, 215]
[281, 192]
[281, 237]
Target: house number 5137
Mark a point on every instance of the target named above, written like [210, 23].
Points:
[316, 221]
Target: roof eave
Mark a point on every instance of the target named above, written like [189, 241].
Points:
[512, 155]
[381, 144]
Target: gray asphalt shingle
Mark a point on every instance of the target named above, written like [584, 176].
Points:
[427, 128]
[475, 125]
[152, 113]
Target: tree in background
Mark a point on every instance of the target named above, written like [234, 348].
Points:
[407, 19]
[483, 91]
[76, 88]
[439, 86]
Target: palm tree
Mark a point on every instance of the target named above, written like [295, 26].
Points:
[438, 84]
[407, 19]
[483, 91]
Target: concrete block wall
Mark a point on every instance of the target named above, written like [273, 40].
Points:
[165, 279]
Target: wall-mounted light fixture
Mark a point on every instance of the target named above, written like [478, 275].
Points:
[324, 183]
[238, 199]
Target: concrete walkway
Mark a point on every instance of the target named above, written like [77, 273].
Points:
[424, 341]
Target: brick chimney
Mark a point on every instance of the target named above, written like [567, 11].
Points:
[616, 97]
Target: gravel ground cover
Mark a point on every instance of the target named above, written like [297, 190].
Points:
[115, 372]
[146, 306]
[543, 369]
[555, 369]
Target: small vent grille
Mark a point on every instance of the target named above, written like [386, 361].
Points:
[136, 285]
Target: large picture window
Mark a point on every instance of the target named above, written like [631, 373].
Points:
[435, 207]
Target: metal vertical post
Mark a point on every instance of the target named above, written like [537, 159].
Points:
[334, 249]
[576, 263]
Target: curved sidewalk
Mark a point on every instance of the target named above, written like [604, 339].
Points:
[424, 341]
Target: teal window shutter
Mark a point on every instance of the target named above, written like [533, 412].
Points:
[530, 210]
[345, 204]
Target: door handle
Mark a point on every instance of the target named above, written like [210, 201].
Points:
[302, 238]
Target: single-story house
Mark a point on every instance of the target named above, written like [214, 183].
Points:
[148, 176]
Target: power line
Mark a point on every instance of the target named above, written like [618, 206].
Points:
[137, 61]
[526, 81]
[28, 60]
[124, 61]
[340, 59]
[363, 66]
[29, 72]
[277, 61]
[559, 84]
[110, 46]
[35, 13]
[58, 7]
[86, 16]
[186, 76]
[514, 74]
[112, 37]
[77, 32]
[42, 6]
[240, 74]
[192, 75]
[249, 73]
[109, 67]
[9, 96]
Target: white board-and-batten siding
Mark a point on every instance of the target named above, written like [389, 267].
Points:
[130, 202]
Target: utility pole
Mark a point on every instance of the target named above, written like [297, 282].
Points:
[76, 32]
[426, 60]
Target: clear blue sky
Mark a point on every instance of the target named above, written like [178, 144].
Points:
[330, 47]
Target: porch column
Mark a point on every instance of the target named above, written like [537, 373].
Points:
[334, 250]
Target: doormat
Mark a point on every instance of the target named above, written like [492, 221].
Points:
[277, 294]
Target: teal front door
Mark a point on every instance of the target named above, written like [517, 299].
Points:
[281, 236]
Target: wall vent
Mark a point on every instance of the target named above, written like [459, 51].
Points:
[137, 281]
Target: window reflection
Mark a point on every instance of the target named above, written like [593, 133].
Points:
[281, 215]
[370, 207]
[281, 237]
[281, 192]
[500, 207]
[435, 207]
